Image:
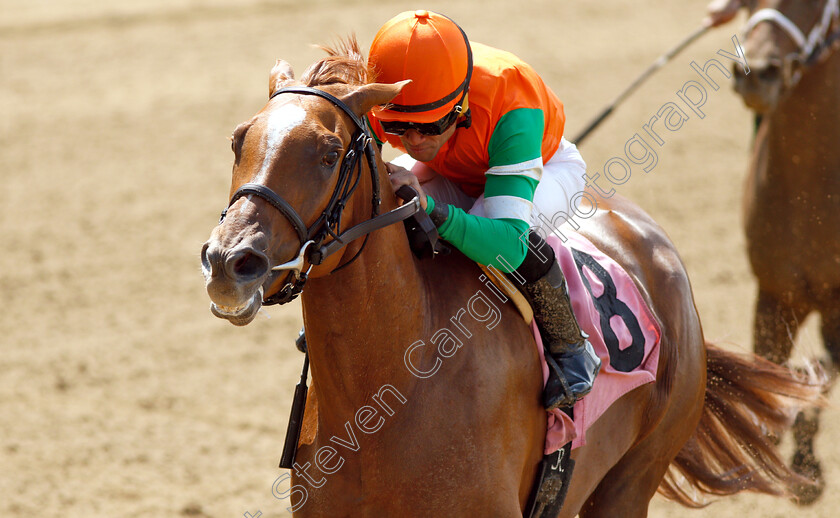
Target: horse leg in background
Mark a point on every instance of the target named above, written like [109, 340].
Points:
[807, 423]
[776, 325]
[804, 461]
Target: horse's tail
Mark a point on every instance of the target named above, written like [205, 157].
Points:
[748, 401]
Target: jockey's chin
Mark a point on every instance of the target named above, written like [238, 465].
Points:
[421, 154]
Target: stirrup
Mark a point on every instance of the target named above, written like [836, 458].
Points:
[558, 391]
[555, 376]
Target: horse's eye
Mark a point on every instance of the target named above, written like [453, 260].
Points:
[330, 158]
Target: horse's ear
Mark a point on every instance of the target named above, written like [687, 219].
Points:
[366, 97]
[280, 76]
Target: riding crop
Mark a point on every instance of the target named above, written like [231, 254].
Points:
[659, 63]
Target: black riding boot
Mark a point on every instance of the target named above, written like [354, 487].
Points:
[572, 362]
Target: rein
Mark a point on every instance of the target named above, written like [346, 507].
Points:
[312, 247]
[809, 49]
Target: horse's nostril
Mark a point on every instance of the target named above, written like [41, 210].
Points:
[248, 265]
[204, 261]
[211, 258]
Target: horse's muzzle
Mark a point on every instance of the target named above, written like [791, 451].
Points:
[239, 316]
[762, 88]
[234, 279]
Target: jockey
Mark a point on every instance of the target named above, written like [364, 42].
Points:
[485, 134]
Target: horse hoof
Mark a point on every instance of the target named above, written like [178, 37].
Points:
[807, 466]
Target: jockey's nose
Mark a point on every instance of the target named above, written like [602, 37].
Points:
[413, 137]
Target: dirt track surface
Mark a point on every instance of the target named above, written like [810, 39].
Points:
[120, 395]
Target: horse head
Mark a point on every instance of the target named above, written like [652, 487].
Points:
[782, 38]
[291, 191]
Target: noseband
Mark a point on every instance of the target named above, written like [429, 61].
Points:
[810, 48]
[312, 248]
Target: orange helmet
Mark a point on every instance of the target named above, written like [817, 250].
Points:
[432, 51]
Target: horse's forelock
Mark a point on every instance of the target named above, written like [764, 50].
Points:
[344, 64]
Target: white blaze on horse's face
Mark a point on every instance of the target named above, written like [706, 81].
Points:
[281, 121]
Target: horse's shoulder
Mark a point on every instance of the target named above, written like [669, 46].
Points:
[453, 281]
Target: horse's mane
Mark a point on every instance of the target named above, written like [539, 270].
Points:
[344, 64]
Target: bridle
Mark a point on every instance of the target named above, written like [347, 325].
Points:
[810, 48]
[312, 247]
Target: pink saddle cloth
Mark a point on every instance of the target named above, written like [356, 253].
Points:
[621, 328]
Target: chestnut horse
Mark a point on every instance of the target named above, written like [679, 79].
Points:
[792, 196]
[466, 440]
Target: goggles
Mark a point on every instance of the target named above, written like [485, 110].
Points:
[428, 129]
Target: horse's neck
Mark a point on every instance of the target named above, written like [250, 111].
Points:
[359, 321]
[811, 113]
[797, 142]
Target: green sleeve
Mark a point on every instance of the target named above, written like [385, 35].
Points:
[483, 239]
